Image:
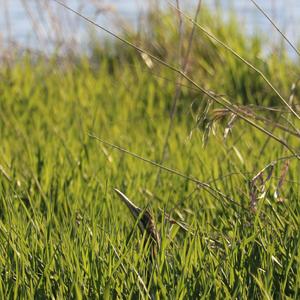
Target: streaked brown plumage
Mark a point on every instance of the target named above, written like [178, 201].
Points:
[146, 222]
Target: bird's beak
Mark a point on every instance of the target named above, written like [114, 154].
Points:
[132, 207]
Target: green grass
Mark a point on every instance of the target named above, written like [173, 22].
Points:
[65, 233]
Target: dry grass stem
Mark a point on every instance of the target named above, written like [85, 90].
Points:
[246, 62]
[276, 27]
[208, 93]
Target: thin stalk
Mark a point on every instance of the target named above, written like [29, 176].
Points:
[178, 83]
[199, 183]
[169, 66]
[246, 62]
[276, 27]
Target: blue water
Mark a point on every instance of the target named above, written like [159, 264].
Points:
[17, 25]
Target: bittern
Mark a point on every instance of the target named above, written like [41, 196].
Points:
[146, 220]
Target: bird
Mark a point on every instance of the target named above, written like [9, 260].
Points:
[147, 224]
[146, 221]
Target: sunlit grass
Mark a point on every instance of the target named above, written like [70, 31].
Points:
[64, 232]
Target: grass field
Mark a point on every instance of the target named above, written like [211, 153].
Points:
[64, 231]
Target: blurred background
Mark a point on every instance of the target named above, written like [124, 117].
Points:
[43, 25]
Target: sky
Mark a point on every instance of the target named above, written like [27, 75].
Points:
[19, 17]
